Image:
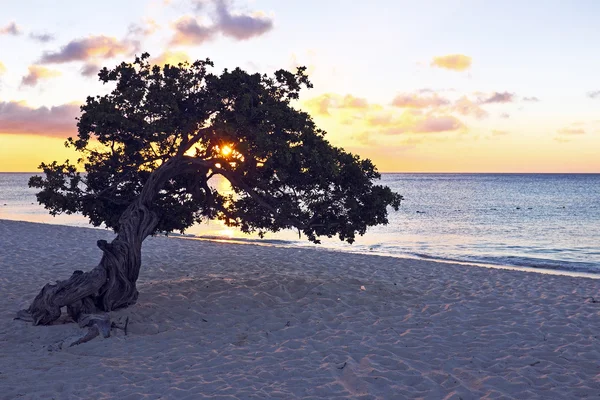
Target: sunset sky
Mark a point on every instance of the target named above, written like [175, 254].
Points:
[417, 86]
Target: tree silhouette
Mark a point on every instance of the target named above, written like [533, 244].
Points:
[150, 147]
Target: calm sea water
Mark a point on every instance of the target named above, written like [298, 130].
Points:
[549, 221]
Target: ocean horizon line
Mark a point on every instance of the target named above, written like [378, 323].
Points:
[409, 172]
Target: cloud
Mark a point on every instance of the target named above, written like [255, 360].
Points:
[323, 103]
[241, 26]
[532, 99]
[498, 132]
[11, 29]
[320, 104]
[505, 115]
[2, 68]
[466, 107]
[89, 48]
[571, 131]
[381, 119]
[171, 58]
[146, 28]
[90, 69]
[198, 5]
[415, 122]
[37, 73]
[594, 94]
[42, 37]
[308, 61]
[498, 97]
[18, 118]
[430, 124]
[455, 62]
[416, 101]
[350, 101]
[562, 139]
[189, 32]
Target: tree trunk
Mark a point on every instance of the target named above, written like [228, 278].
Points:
[111, 284]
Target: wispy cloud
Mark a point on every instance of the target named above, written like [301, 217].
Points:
[322, 104]
[594, 94]
[498, 132]
[18, 118]
[455, 62]
[498, 97]
[412, 100]
[427, 124]
[464, 106]
[170, 57]
[89, 48]
[531, 99]
[571, 131]
[241, 26]
[193, 30]
[411, 120]
[147, 27]
[37, 73]
[189, 32]
[41, 37]
[10, 29]
[90, 69]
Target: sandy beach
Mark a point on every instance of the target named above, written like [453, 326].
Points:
[228, 321]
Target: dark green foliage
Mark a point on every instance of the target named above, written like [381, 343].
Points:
[283, 171]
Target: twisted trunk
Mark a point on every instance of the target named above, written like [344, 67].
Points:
[112, 283]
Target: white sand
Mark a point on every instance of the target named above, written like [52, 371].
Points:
[225, 321]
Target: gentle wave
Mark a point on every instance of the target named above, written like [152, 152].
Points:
[537, 221]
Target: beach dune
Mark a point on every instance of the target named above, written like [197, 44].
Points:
[229, 321]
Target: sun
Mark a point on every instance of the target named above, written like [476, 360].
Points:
[226, 150]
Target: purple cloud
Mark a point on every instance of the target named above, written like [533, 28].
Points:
[37, 73]
[416, 101]
[92, 47]
[41, 37]
[90, 69]
[58, 121]
[189, 31]
[10, 29]
[430, 124]
[498, 97]
[241, 26]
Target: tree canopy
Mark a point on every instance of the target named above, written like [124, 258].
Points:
[182, 125]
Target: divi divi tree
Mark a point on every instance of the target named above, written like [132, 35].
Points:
[150, 147]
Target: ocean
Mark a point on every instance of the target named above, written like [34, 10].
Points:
[547, 221]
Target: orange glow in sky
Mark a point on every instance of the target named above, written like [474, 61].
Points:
[435, 98]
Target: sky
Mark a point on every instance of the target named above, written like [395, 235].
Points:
[416, 86]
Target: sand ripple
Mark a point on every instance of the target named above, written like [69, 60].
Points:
[223, 321]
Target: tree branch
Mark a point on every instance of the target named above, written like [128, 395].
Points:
[235, 180]
[187, 144]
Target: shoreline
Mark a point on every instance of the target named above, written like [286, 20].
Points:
[291, 245]
[241, 321]
[545, 271]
